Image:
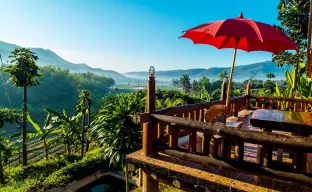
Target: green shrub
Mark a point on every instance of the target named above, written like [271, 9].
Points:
[40, 169]
[55, 172]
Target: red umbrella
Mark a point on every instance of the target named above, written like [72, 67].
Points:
[240, 33]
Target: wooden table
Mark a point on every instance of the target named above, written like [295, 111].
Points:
[296, 122]
[299, 123]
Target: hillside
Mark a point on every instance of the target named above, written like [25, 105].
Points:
[48, 57]
[242, 72]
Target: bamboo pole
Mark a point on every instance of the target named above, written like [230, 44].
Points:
[308, 65]
[231, 77]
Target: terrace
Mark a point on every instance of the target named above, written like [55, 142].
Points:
[183, 151]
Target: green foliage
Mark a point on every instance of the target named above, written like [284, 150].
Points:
[204, 95]
[269, 86]
[58, 91]
[270, 76]
[24, 72]
[9, 116]
[223, 75]
[114, 129]
[43, 175]
[164, 103]
[175, 82]
[174, 95]
[67, 129]
[185, 83]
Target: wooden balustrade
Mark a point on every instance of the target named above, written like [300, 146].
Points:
[280, 103]
[186, 120]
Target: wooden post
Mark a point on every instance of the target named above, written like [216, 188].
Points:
[248, 91]
[160, 130]
[173, 137]
[264, 153]
[300, 159]
[225, 144]
[149, 184]
[239, 151]
[192, 137]
[223, 90]
[150, 133]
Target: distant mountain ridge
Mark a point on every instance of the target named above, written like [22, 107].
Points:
[241, 72]
[48, 57]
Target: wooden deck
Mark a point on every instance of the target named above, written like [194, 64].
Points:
[210, 178]
[217, 179]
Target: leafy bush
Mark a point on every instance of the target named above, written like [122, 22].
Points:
[114, 129]
[55, 172]
[39, 170]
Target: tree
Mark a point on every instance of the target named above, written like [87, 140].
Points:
[185, 83]
[269, 85]
[270, 76]
[84, 107]
[175, 82]
[195, 86]
[293, 16]
[223, 75]
[204, 81]
[114, 129]
[24, 73]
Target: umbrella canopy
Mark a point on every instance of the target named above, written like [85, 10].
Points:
[240, 33]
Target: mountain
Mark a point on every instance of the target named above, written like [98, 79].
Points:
[48, 57]
[242, 72]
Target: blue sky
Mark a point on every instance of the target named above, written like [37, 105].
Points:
[128, 35]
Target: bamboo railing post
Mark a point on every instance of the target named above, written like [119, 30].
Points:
[248, 90]
[150, 132]
[226, 145]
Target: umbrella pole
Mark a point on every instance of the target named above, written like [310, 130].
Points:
[230, 84]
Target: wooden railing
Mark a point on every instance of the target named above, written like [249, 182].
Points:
[280, 103]
[163, 128]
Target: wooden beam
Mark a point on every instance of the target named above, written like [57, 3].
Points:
[244, 167]
[267, 138]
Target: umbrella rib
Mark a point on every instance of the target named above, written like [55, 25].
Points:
[226, 40]
[201, 38]
[273, 51]
[257, 30]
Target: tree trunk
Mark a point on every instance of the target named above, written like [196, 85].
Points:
[45, 147]
[89, 123]
[83, 132]
[1, 170]
[295, 81]
[24, 145]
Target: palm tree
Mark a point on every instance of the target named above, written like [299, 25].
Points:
[185, 83]
[114, 128]
[84, 107]
[24, 73]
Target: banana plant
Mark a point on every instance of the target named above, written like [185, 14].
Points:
[204, 95]
[67, 129]
[164, 103]
[41, 131]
